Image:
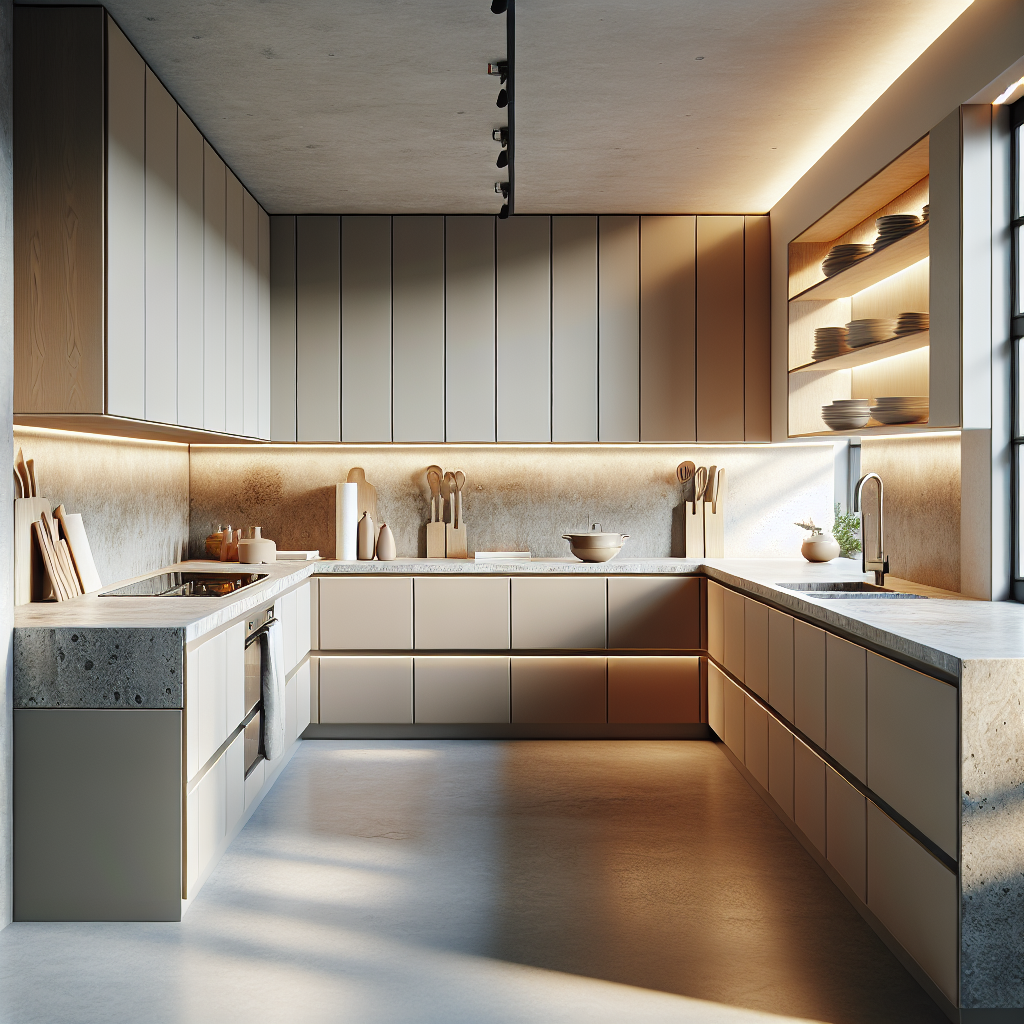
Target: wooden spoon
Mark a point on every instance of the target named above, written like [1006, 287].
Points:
[684, 474]
[460, 480]
[700, 482]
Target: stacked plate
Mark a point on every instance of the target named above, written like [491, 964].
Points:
[846, 413]
[842, 257]
[867, 332]
[894, 226]
[911, 323]
[828, 342]
[900, 410]
[924, 214]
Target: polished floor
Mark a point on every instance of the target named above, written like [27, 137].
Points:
[499, 882]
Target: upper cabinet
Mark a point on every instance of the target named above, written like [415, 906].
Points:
[534, 329]
[142, 264]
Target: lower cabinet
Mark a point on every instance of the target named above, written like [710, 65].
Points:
[780, 765]
[733, 702]
[846, 705]
[558, 612]
[471, 690]
[654, 612]
[366, 691]
[716, 621]
[559, 690]
[846, 831]
[755, 647]
[214, 694]
[809, 794]
[653, 690]
[755, 740]
[716, 700]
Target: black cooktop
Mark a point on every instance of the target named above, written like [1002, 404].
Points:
[189, 584]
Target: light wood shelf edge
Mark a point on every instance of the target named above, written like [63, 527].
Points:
[119, 426]
[893, 428]
[867, 354]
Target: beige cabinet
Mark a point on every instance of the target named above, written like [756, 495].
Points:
[846, 831]
[733, 623]
[716, 700]
[755, 647]
[653, 690]
[303, 628]
[716, 621]
[467, 689]
[755, 740]
[780, 663]
[912, 748]
[654, 612]
[780, 764]
[558, 612]
[370, 613]
[809, 680]
[285, 610]
[734, 699]
[303, 701]
[462, 613]
[809, 794]
[375, 690]
[846, 705]
[559, 690]
[214, 694]
[916, 898]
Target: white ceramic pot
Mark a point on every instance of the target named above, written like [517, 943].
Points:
[595, 546]
[385, 544]
[820, 549]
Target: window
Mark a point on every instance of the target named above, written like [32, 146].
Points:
[1017, 334]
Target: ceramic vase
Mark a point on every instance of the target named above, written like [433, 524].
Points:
[822, 548]
[386, 544]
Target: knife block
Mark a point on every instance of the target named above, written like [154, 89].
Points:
[31, 582]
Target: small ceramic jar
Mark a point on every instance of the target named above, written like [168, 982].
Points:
[385, 544]
[821, 548]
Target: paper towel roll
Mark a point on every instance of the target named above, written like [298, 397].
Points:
[346, 522]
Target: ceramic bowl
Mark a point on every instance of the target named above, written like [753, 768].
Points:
[595, 546]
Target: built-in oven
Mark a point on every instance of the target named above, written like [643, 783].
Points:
[252, 743]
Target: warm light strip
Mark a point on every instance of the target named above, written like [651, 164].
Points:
[1008, 93]
[910, 437]
[538, 446]
[85, 435]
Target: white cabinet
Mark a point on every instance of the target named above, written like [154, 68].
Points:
[559, 690]
[733, 702]
[190, 274]
[809, 680]
[234, 303]
[755, 740]
[780, 764]
[733, 618]
[249, 371]
[291, 712]
[462, 690]
[234, 782]
[912, 748]
[374, 690]
[303, 711]
[214, 694]
[558, 612]
[303, 625]
[214, 289]
[654, 613]
[716, 621]
[846, 705]
[755, 647]
[809, 794]
[780, 663]
[653, 690]
[366, 613]
[212, 811]
[716, 700]
[285, 610]
[462, 613]
[846, 831]
[618, 303]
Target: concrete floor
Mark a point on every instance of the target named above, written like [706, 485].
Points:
[486, 881]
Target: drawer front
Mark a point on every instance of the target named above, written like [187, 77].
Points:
[653, 690]
[470, 690]
[653, 613]
[566, 612]
[809, 794]
[734, 715]
[716, 700]
[846, 831]
[364, 613]
[780, 663]
[846, 705]
[371, 691]
[755, 647]
[463, 614]
[755, 740]
[716, 621]
[780, 764]
[809, 680]
[560, 690]
[733, 605]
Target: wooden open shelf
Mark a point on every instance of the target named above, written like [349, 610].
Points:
[872, 429]
[122, 426]
[867, 354]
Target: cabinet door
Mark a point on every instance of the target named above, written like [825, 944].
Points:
[212, 800]
[462, 613]
[755, 740]
[809, 794]
[285, 610]
[234, 686]
[618, 304]
[780, 764]
[916, 898]
[462, 690]
[653, 690]
[374, 691]
[559, 690]
[208, 689]
[846, 831]
[912, 748]
[283, 327]
[846, 705]
[755, 647]
[214, 289]
[809, 680]
[366, 613]
[190, 273]
[654, 613]
[303, 638]
[291, 716]
[249, 372]
[733, 635]
[716, 700]
[234, 304]
[303, 712]
[254, 781]
[780, 663]
[716, 622]
[264, 358]
[566, 612]
[733, 706]
[234, 782]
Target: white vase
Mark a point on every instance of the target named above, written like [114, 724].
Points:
[822, 548]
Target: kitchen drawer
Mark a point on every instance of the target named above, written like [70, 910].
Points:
[716, 700]
[302, 622]
[254, 782]
[291, 718]
[755, 739]
[654, 612]
[214, 694]
[846, 705]
[912, 746]
[285, 611]
[916, 898]
[302, 709]
[780, 663]
[212, 812]
[234, 770]
[461, 689]
[733, 707]
[558, 612]
[716, 621]
[462, 613]
[371, 690]
[809, 794]
[755, 647]
[653, 690]
[780, 764]
[366, 614]
[846, 831]
[733, 618]
[314, 689]
[559, 690]
[809, 680]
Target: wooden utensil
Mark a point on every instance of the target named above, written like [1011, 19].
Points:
[714, 518]
[65, 571]
[367, 494]
[457, 546]
[59, 515]
[19, 487]
[435, 528]
[684, 474]
[22, 470]
[33, 483]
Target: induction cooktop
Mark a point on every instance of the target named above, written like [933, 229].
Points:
[189, 584]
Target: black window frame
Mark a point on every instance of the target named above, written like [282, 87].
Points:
[1016, 112]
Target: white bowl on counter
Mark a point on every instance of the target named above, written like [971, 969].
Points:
[596, 545]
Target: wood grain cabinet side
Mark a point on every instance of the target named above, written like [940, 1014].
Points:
[716, 700]
[653, 690]
[558, 612]
[654, 613]
[460, 613]
[366, 613]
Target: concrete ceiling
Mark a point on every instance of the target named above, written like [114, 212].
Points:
[383, 106]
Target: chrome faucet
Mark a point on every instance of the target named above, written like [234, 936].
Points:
[878, 563]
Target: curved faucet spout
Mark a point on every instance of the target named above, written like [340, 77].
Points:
[878, 564]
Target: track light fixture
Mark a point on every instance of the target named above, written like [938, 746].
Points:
[499, 6]
[500, 70]
[503, 212]
[502, 160]
[502, 187]
[500, 135]
[502, 100]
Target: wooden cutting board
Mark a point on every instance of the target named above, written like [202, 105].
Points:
[31, 582]
[367, 495]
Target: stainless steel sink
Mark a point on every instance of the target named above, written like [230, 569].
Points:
[846, 589]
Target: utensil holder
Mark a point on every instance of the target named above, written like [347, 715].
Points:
[714, 520]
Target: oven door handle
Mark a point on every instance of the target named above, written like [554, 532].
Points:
[257, 633]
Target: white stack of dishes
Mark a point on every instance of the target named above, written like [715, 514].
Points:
[894, 226]
[867, 332]
[846, 413]
[924, 214]
[842, 257]
[893, 409]
[911, 323]
[828, 342]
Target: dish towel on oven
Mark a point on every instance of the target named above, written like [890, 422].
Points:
[272, 685]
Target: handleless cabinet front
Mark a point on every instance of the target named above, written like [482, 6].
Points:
[366, 690]
[716, 621]
[733, 619]
[653, 690]
[467, 689]
[780, 663]
[366, 613]
[462, 613]
[846, 705]
[809, 680]
[755, 647]
[560, 690]
[654, 613]
[558, 612]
